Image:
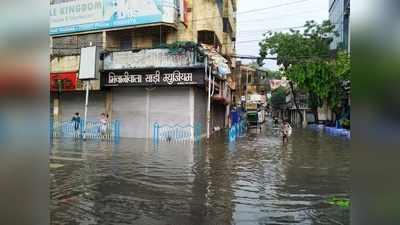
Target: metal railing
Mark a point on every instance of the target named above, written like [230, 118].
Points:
[332, 131]
[176, 133]
[94, 130]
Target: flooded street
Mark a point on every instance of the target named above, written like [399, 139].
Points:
[255, 180]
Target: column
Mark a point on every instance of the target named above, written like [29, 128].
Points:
[304, 118]
[108, 103]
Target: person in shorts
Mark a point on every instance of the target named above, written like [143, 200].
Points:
[285, 131]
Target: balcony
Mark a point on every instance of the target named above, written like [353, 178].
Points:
[151, 58]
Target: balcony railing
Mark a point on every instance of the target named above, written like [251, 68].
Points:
[146, 58]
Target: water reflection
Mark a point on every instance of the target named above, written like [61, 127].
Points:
[255, 180]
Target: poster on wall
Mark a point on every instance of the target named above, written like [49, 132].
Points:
[87, 15]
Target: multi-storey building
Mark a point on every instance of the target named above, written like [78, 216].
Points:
[339, 15]
[154, 64]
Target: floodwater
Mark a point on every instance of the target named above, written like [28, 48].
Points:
[256, 180]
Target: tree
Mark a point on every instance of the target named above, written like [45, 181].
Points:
[278, 98]
[308, 62]
[273, 74]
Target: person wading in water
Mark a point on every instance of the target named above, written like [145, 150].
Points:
[286, 131]
[76, 119]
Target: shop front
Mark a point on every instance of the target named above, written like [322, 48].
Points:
[143, 97]
[68, 97]
[67, 91]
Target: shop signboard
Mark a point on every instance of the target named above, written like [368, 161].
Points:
[154, 77]
[89, 63]
[87, 15]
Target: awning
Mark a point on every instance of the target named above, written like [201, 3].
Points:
[219, 63]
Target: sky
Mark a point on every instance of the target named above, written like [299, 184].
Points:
[255, 17]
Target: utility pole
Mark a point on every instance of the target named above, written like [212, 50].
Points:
[209, 102]
[86, 108]
[247, 86]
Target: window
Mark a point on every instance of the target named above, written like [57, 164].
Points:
[125, 42]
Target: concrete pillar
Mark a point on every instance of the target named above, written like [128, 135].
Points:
[108, 103]
[148, 129]
[305, 118]
[104, 39]
[57, 110]
[191, 108]
[227, 110]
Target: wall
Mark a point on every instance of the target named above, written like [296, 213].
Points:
[62, 64]
[199, 19]
[69, 45]
[200, 108]
[336, 16]
[217, 115]
[72, 102]
[324, 113]
[228, 44]
[65, 64]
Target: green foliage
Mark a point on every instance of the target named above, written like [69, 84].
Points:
[345, 123]
[308, 62]
[278, 98]
[343, 65]
[341, 202]
[180, 46]
[273, 74]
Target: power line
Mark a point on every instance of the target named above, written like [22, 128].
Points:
[272, 7]
[278, 28]
[292, 59]
[254, 10]
[273, 29]
[277, 17]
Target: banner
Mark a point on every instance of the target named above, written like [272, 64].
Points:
[86, 15]
[67, 81]
[275, 84]
[154, 77]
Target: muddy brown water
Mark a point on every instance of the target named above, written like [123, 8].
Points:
[255, 180]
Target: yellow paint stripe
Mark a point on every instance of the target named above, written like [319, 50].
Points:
[67, 158]
[55, 165]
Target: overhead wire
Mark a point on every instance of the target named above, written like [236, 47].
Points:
[254, 10]
[275, 17]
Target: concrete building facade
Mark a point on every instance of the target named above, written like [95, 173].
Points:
[190, 42]
[339, 15]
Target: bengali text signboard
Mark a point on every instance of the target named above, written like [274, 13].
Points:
[154, 77]
[87, 15]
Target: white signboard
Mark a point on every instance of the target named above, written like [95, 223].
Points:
[86, 15]
[148, 58]
[89, 63]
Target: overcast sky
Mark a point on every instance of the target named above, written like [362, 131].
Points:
[254, 17]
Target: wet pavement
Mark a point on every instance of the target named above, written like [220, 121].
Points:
[256, 180]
